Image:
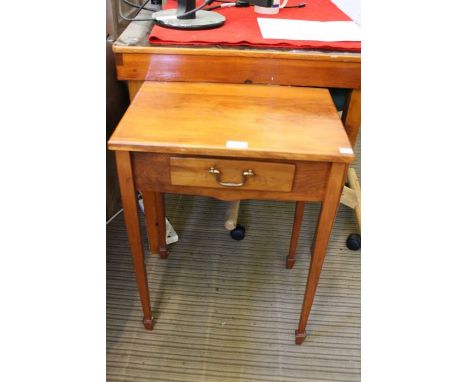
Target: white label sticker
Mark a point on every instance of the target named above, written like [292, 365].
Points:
[237, 145]
[346, 150]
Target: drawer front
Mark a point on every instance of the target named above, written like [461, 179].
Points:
[231, 174]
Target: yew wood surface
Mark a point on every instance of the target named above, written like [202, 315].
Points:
[200, 118]
[295, 128]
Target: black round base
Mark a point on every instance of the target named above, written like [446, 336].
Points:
[203, 20]
[353, 241]
[238, 233]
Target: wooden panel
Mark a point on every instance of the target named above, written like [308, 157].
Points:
[352, 115]
[274, 122]
[268, 176]
[257, 69]
[152, 173]
[133, 87]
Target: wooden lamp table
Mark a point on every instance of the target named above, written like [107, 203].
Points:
[230, 142]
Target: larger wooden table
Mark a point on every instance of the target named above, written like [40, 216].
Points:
[138, 61]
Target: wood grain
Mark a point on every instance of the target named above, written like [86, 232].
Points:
[200, 118]
[129, 203]
[328, 211]
[298, 216]
[273, 68]
[133, 87]
[152, 172]
[144, 47]
[161, 224]
[352, 116]
[268, 176]
[356, 187]
[149, 201]
[176, 128]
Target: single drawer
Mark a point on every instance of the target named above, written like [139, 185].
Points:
[233, 174]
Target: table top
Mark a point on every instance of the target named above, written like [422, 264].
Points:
[134, 39]
[250, 121]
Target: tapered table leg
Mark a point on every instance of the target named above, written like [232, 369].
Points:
[161, 224]
[298, 216]
[129, 204]
[352, 115]
[149, 201]
[328, 211]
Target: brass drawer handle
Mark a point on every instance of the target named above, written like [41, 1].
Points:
[217, 175]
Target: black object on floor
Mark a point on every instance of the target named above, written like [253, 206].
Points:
[353, 241]
[238, 233]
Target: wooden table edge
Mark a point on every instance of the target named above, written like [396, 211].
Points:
[240, 51]
[222, 153]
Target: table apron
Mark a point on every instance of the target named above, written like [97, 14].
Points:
[152, 172]
[238, 69]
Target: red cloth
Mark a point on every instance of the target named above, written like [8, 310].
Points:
[241, 28]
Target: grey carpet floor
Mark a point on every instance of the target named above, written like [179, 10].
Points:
[227, 310]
